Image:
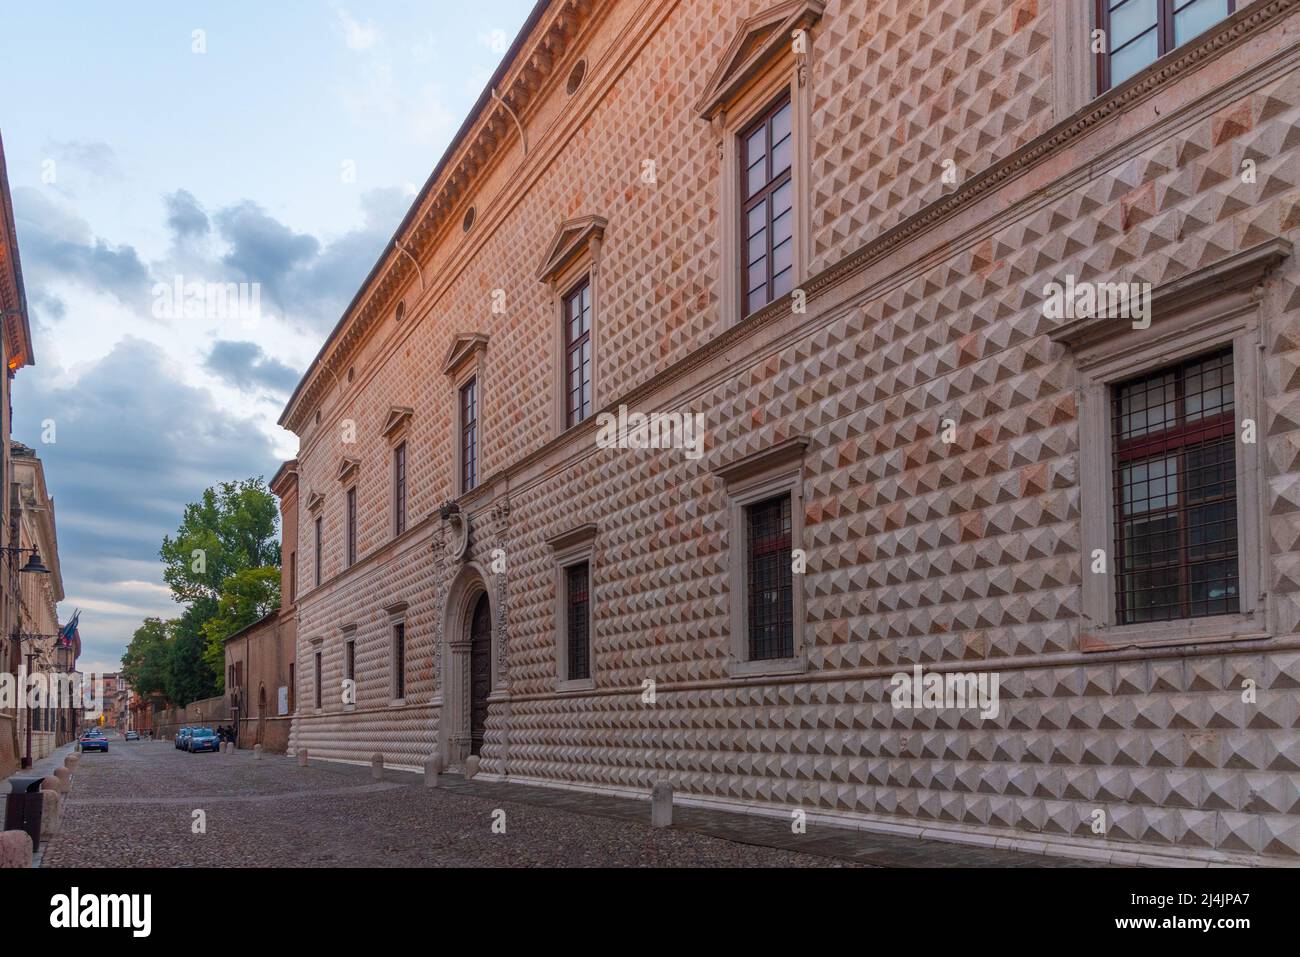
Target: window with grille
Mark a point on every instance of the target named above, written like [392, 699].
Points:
[1175, 492]
[399, 660]
[1140, 31]
[577, 353]
[399, 489]
[352, 527]
[319, 546]
[318, 681]
[469, 435]
[350, 659]
[769, 579]
[767, 212]
[577, 600]
[293, 576]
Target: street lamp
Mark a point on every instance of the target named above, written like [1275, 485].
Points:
[34, 564]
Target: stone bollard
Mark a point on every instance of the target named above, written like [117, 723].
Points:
[377, 766]
[52, 783]
[302, 757]
[15, 849]
[432, 768]
[51, 813]
[65, 777]
[661, 804]
[471, 766]
[71, 761]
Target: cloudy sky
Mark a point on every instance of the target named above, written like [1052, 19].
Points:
[281, 145]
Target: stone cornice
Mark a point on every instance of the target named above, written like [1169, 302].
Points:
[493, 125]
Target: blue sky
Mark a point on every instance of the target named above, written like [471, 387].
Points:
[283, 155]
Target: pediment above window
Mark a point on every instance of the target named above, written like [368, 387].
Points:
[314, 501]
[757, 42]
[398, 417]
[1241, 273]
[347, 468]
[467, 346]
[571, 240]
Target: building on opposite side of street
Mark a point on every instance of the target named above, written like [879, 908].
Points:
[889, 411]
[16, 346]
[44, 651]
[259, 695]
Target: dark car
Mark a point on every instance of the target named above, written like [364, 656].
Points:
[93, 741]
[202, 739]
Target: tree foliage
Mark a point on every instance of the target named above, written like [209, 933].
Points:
[231, 529]
[223, 565]
[247, 597]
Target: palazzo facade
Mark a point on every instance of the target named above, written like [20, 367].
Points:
[990, 326]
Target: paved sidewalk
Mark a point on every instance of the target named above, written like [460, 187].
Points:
[858, 847]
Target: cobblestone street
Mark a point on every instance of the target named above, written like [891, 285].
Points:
[134, 807]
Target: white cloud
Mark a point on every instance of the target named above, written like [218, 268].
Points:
[357, 35]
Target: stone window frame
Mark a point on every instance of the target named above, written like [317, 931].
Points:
[465, 361]
[572, 257]
[350, 642]
[1216, 307]
[769, 473]
[318, 674]
[318, 530]
[1164, 28]
[351, 524]
[397, 620]
[744, 87]
[400, 508]
[574, 547]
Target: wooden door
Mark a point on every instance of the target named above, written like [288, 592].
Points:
[480, 673]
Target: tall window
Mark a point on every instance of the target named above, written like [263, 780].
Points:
[350, 659]
[399, 489]
[1139, 31]
[318, 681]
[352, 526]
[577, 601]
[319, 544]
[577, 353]
[767, 216]
[769, 579]
[469, 435]
[293, 576]
[1175, 492]
[399, 660]
[293, 690]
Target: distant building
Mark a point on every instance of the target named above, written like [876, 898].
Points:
[259, 690]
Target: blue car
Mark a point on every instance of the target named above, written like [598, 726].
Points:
[202, 739]
[93, 741]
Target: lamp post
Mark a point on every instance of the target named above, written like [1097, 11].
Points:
[34, 566]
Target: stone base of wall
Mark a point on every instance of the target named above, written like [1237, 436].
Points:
[405, 736]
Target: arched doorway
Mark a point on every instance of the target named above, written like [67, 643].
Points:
[480, 672]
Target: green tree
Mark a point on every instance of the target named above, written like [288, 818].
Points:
[145, 661]
[188, 676]
[231, 529]
[247, 597]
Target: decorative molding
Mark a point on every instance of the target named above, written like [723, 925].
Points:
[314, 501]
[574, 537]
[346, 468]
[757, 41]
[570, 240]
[468, 345]
[396, 608]
[398, 417]
[1240, 271]
[789, 452]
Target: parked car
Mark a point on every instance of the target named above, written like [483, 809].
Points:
[202, 739]
[93, 741]
[133, 736]
[181, 737]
